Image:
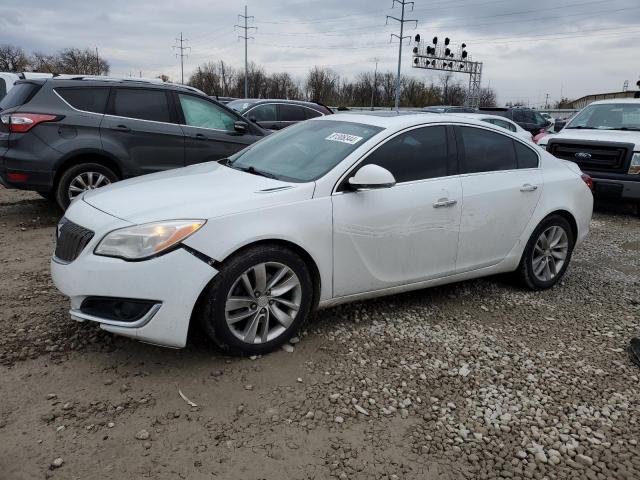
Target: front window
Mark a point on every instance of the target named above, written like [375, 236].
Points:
[608, 116]
[202, 113]
[305, 151]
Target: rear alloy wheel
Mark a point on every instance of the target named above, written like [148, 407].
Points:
[547, 254]
[258, 301]
[81, 178]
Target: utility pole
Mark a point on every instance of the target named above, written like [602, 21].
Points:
[546, 102]
[182, 48]
[375, 74]
[402, 21]
[246, 37]
[97, 62]
[224, 81]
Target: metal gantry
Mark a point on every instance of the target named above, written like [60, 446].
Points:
[441, 56]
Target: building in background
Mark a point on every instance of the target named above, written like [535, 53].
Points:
[587, 99]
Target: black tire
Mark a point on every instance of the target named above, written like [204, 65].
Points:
[62, 188]
[211, 311]
[525, 269]
[48, 196]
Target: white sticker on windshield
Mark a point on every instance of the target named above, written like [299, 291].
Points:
[344, 138]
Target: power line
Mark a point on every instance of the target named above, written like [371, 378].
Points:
[402, 21]
[182, 48]
[328, 33]
[246, 38]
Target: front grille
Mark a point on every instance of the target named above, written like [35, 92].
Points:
[72, 239]
[596, 156]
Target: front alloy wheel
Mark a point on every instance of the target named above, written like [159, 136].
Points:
[258, 300]
[263, 302]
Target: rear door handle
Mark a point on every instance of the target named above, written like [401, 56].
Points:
[199, 136]
[121, 128]
[527, 187]
[444, 202]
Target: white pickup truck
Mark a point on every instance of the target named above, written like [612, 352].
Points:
[604, 140]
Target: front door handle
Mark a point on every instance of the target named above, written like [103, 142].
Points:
[121, 128]
[444, 202]
[199, 136]
[527, 187]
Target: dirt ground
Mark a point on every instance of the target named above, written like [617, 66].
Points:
[476, 380]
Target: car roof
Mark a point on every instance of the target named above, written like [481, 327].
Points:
[93, 80]
[399, 120]
[254, 101]
[484, 115]
[617, 100]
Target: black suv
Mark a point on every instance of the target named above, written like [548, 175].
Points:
[277, 114]
[527, 118]
[61, 137]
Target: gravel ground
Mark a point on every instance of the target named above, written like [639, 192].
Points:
[476, 380]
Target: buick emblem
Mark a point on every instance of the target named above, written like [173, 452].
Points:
[583, 155]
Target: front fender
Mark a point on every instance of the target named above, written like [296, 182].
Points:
[307, 224]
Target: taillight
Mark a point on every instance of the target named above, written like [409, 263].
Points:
[588, 180]
[23, 122]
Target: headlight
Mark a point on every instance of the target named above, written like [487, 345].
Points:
[144, 241]
[635, 164]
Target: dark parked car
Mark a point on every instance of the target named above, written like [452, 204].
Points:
[527, 118]
[278, 114]
[61, 137]
[223, 100]
[449, 109]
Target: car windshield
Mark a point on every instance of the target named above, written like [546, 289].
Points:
[239, 105]
[608, 116]
[303, 152]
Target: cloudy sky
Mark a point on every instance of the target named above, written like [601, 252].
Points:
[529, 49]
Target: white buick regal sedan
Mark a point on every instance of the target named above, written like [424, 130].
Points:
[331, 210]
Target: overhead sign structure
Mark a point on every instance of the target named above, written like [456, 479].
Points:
[441, 56]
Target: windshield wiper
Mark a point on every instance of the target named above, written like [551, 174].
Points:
[578, 127]
[634, 129]
[253, 171]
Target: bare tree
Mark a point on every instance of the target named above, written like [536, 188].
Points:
[487, 97]
[13, 59]
[70, 60]
[322, 85]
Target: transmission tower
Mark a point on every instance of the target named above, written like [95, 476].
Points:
[402, 21]
[435, 56]
[246, 38]
[181, 48]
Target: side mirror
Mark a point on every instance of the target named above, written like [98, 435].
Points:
[372, 176]
[240, 127]
[253, 119]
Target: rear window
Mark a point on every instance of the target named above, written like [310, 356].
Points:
[89, 99]
[527, 158]
[20, 94]
[142, 104]
[311, 113]
[291, 113]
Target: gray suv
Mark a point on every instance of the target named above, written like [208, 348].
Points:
[61, 137]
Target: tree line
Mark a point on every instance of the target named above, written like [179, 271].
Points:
[68, 60]
[220, 78]
[324, 85]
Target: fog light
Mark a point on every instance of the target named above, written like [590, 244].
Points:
[118, 309]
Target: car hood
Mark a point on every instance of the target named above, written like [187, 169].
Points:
[204, 191]
[598, 135]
